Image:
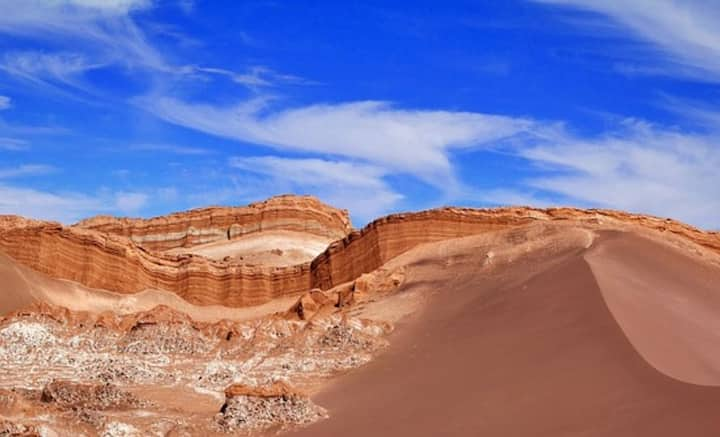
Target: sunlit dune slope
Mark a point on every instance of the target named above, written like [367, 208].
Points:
[558, 339]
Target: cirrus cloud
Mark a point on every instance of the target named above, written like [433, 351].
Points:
[26, 170]
[640, 168]
[686, 33]
[403, 140]
[355, 186]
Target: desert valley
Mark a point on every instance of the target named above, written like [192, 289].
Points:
[359, 218]
[280, 318]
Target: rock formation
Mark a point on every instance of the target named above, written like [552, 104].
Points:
[104, 253]
[83, 373]
[199, 226]
[488, 302]
[252, 408]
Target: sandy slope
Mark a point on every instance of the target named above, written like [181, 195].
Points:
[15, 289]
[532, 349]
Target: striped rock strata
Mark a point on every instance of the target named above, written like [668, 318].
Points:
[115, 262]
[206, 225]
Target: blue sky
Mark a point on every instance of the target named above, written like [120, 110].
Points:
[143, 107]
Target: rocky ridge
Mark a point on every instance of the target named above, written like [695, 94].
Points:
[115, 262]
[304, 214]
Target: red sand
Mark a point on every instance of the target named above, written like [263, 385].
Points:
[15, 293]
[542, 356]
[667, 303]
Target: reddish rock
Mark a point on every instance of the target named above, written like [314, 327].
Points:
[276, 389]
[114, 262]
[198, 226]
[309, 304]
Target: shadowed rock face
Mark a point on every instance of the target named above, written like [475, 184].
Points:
[105, 253]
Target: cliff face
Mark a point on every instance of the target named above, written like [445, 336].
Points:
[115, 263]
[366, 250]
[97, 259]
[199, 226]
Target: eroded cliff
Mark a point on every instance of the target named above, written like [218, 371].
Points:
[304, 214]
[103, 253]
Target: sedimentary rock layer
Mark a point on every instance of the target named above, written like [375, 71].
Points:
[365, 250]
[199, 226]
[114, 262]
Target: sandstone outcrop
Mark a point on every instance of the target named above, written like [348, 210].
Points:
[94, 254]
[252, 408]
[133, 324]
[309, 304]
[205, 225]
[117, 264]
[275, 389]
[365, 250]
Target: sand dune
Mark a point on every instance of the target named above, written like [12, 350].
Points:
[532, 349]
[666, 302]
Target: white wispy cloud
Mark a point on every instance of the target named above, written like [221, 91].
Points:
[355, 186]
[170, 148]
[48, 69]
[104, 30]
[255, 77]
[356, 148]
[107, 6]
[686, 32]
[70, 206]
[642, 168]
[130, 202]
[92, 34]
[26, 170]
[62, 207]
[411, 141]
[620, 169]
[5, 102]
[21, 129]
[704, 114]
[12, 144]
